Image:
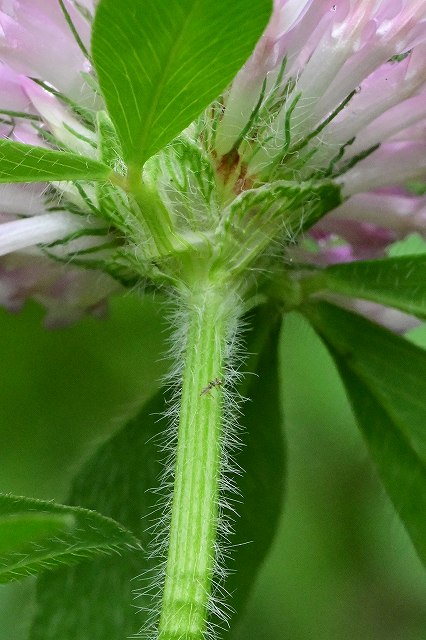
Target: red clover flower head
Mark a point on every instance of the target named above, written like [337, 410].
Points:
[338, 89]
[334, 93]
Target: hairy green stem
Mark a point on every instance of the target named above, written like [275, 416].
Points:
[191, 552]
[155, 215]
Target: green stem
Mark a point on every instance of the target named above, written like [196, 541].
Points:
[155, 215]
[190, 562]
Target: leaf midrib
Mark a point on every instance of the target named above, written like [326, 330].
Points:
[160, 85]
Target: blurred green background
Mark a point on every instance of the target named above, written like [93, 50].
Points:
[341, 567]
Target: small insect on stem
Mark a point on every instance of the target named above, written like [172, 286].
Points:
[217, 382]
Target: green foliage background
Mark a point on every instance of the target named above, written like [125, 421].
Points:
[341, 565]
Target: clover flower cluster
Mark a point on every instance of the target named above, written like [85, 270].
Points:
[339, 89]
[334, 91]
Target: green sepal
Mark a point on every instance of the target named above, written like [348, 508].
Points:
[109, 145]
[185, 180]
[418, 187]
[293, 206]
[279, 211]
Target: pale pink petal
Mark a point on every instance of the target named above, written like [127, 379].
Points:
[12, 95]
[67, 292]
[26, 232]
[393, 319]
[22, 199]
[389, 85]
[60, 121]
[391, 164]
[399, 213]
[36, 40]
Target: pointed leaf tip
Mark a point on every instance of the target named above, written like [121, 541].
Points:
[36, 535]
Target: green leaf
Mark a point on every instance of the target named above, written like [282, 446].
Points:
[96, 599]
[385, 378]
[25, 163]
[398, 282]
[161, 63]
[21, 528]
[262, 459]
[37, 535]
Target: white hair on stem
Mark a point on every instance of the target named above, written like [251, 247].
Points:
[218, 607]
